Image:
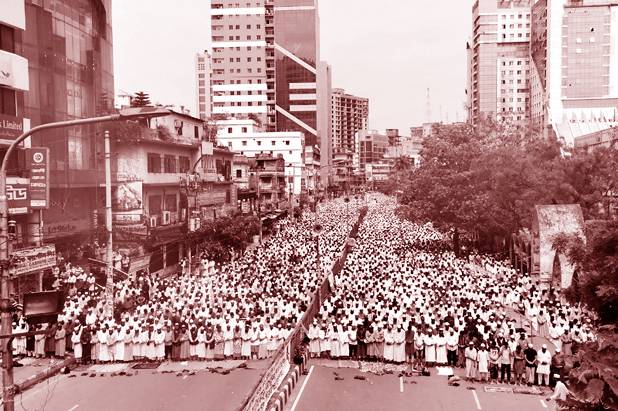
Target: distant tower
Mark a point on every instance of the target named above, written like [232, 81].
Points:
[428, 119]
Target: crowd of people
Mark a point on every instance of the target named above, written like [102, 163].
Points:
[243, 309]
[403, 297]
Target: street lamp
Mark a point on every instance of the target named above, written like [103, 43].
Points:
[5, 305]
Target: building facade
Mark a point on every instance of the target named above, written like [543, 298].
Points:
[266, 67]
[350, 114]
[499, 61]
[575, 67]
[203, 71]
[243, 137]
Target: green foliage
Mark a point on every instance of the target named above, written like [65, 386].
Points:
[486, 180]
[141, 99]
[225, 233]
[593, 381]
[597, 265]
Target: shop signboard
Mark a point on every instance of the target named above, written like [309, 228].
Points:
[33, 259]
[37, 161]
[11, 127]
[18, 195]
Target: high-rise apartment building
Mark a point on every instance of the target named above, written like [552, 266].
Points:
[265, 56]
[350, 114]
[500, 61]
[203, 71]
[574, 51]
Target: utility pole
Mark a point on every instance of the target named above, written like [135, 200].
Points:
[259, 202]
[109, 252]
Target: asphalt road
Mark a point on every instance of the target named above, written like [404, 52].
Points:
[145, 391]
[322, 392]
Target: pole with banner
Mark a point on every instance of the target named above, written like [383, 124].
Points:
[109, 271]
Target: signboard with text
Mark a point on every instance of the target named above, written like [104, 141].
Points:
[37, 161]
[33, 259]
[11, 127]
[17, 194]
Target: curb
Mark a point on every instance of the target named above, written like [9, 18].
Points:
[285, 392]
[43, 375]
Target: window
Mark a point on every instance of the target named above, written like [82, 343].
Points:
[170, 203]
[287, 142]
[273, 142]
[259, 143]
[238, 173]
[154, 205]
[244, 143]
[7, 102]
[154, 163]
[229, 130]
[7, 38]
[244, 129]
[169, 164]
[196, 131]
[184, 164]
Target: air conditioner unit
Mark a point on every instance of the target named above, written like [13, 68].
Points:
[167, 218]
[178, 123]
[153, 221]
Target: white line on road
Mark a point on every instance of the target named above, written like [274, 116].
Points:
[543, 404]
[476, 399]
[400, 384]
[302, 388]
[74, 407]
[185, 377]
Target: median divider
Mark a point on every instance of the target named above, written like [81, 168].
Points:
[269, 392]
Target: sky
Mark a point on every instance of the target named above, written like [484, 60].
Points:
[389, 51]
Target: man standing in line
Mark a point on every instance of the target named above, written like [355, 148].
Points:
[530, 355]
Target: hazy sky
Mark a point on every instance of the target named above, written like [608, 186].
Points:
[390, 51]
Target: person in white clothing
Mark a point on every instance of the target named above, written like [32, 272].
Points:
[561, 392]
[543, 366]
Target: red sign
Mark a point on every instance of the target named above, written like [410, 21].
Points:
[37, 161]
[17, 195]
[11, 127]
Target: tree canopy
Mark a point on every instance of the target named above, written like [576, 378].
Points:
[486, 180]
[141, 99]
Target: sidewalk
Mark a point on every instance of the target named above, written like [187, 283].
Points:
[35, 370]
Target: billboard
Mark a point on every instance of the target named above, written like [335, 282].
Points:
[11, 127]
[33, 259]
[37, 161]
[127, 196]
[17, 195]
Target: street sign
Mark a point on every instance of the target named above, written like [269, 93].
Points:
[18, 195]
[32, 259]
[37, 161]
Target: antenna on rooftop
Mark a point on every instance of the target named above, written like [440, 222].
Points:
[428, 119]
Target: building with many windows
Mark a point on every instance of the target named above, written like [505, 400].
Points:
[203, 71]
[499, 61]
[266, 67]
[243, 137]
[575, 67]
[56, 64]
[350, 114]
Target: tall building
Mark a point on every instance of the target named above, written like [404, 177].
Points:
[56, 64]
[574, 66]
[350, 114]
[203, 71]
[266, 66]
[500, 61]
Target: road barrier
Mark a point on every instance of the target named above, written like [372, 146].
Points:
[264, 392]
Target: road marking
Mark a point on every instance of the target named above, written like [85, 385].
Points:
[185, 377]
[302, 388]
[73, 407]
[476, 399]
[400, 384]
[543, 404]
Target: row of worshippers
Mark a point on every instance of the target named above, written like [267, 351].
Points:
[268, 288]
[400, 287]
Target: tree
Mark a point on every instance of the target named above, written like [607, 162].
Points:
[597, 266]
[141, 99]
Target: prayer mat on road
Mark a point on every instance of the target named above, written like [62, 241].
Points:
[497, 388]
[146, 365]
[528, 390]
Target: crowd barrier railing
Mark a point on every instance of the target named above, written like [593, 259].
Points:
[281, 361]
